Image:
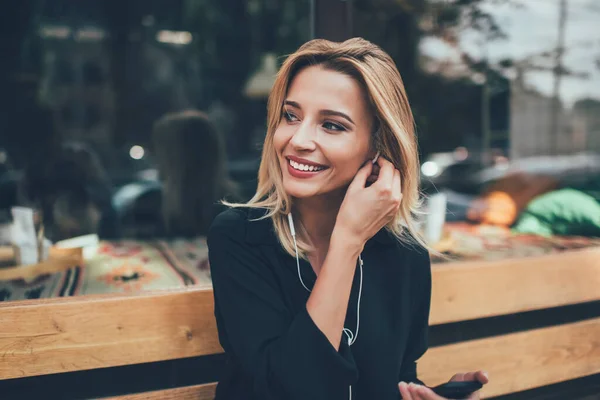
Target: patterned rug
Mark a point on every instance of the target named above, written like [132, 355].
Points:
[122, 267]
[130, 266]
[470, 242]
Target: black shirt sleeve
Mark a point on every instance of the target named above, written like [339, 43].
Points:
[285, 355]
[419, 332]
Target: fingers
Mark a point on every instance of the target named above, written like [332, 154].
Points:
[413, 391]
[386, 174]
[426, 394]
[480, 376]
[360, 180]
[404, 392]
[458, 377]
[374, 174]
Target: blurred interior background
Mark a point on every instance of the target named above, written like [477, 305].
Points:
[498, 88]
[130, 119]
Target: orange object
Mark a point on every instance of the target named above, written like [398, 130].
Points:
[503, 202]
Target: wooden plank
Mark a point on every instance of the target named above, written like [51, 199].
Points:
[62, 335]
[59, 260]
[196, 392]
[520, 361]
[473, 290]
[80, 333]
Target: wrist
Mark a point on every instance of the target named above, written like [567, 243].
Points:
[350, 242]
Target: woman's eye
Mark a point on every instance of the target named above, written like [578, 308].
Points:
[330, 126]
[289, 117]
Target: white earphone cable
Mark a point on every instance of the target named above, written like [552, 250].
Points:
[351, 336]
[298, 264]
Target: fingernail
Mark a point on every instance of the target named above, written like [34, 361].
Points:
[486, 375]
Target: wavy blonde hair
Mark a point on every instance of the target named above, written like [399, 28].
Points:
[394, 133]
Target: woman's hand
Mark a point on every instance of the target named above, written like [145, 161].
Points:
[365, 210]
[417, 392]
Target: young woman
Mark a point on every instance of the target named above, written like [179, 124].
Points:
[322, 283]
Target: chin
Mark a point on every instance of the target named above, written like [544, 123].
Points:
[301, 190]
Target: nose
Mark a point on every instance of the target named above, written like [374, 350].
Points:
[304, 137]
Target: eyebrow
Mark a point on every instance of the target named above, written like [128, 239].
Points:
[323, 112]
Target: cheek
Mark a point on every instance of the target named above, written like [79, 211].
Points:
[280, 138]
[347, 157]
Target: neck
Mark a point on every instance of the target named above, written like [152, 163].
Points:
[317, 216]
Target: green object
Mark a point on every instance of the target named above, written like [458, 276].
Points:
[562, 212]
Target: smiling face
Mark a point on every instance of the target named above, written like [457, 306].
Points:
[324, 134]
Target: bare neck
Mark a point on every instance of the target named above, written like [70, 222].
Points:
[317, 216]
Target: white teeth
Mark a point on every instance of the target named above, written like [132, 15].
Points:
[304, 167]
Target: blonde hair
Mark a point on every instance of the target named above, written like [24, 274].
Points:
[394, 133]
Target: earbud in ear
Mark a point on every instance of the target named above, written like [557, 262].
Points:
[376, 157]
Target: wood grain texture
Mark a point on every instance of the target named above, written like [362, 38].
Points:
[196, 392]
[61, 335]
[473, 290]
[520, 361]
[48, 336]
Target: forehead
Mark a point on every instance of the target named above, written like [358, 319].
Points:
[318, 88]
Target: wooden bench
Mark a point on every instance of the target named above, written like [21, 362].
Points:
[83, 333]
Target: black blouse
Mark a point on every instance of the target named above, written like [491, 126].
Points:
[274, 349]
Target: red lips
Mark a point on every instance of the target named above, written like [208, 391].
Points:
[303, 174]
[305, 161]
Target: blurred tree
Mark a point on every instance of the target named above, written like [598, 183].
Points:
[447, 109]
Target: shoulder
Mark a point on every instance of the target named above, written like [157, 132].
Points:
[232, 251]
[415, 255]
[230, 219]
[411, 245]
[418, 253]
[407, 245]
[419, 266]
[243, 225]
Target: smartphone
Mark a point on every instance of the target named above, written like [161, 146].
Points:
[457, 390]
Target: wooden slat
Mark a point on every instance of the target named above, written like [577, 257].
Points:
[59, 260]
[520, 361]
[196, 392]
[70, 334]
[61, 335]
[473, 290]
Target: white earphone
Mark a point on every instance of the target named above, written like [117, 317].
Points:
[349, 334]
[376, 157]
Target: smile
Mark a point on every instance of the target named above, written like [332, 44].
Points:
[304, 167]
